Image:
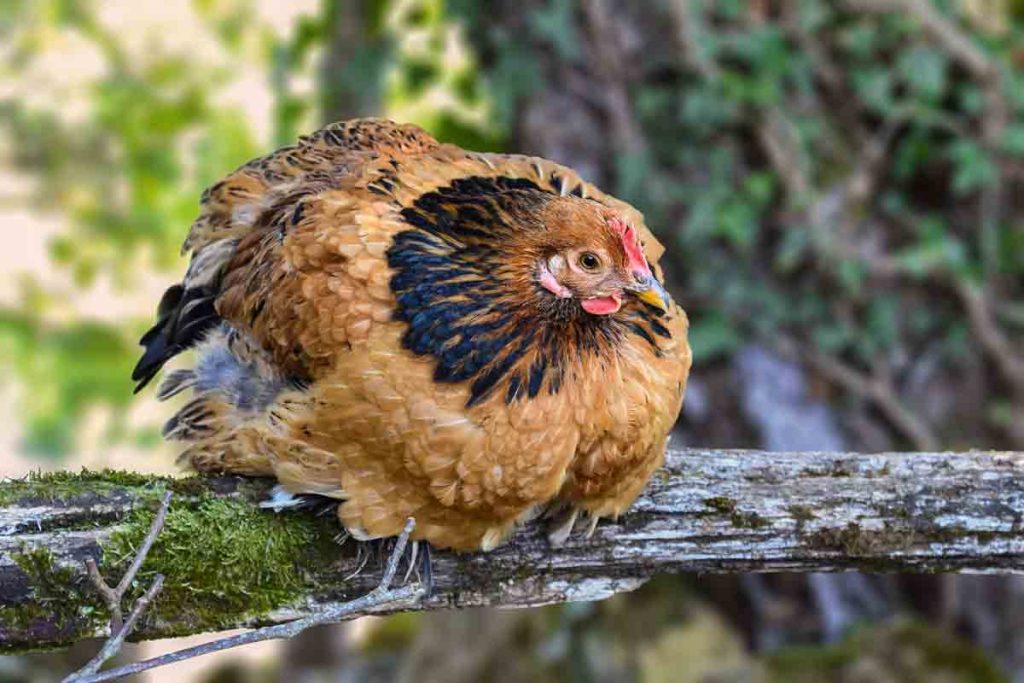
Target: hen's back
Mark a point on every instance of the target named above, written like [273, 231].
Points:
[239, 214]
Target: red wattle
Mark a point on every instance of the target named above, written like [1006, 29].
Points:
[601, 305]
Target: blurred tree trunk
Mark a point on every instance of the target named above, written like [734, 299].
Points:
[316, 655]
[349, 88]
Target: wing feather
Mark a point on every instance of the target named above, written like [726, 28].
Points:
[237, 221]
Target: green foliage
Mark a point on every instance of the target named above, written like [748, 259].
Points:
[904, 651]
[65, 370]
[126, 176]
[433, 78]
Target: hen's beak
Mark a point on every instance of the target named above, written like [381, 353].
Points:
[651, 292]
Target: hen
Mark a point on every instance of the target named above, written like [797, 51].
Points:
[421, 331]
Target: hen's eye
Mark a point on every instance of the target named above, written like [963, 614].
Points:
[589, 261]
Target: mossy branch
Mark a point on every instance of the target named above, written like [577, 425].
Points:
[229, 564]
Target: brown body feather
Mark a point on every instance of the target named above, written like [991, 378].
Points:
[379, 337]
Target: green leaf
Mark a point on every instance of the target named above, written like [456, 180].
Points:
[973, 168]
[792, 248]
[760, 187]
[737, 222]
[1013, 139]
[875, 87]
[556, 23]
[712, 336]
[851, 275]
[924, 70]
[928, 256]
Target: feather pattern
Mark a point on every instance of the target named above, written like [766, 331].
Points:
[371, 325]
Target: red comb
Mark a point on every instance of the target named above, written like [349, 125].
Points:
[631, 243]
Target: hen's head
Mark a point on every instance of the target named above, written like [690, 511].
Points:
[508, 284]
[590, 254]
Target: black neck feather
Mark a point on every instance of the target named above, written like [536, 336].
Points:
[453, 292]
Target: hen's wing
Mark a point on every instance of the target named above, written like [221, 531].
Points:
[235, 242]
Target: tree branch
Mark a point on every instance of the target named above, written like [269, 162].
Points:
[380, 596]
[705, 511]
[877, 389]
[115, 642]
[999, 347]
[944, 32]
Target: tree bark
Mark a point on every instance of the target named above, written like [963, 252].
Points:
[706, 511]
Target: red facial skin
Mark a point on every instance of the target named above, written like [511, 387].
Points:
[600, 292]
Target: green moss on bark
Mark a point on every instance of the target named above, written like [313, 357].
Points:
[222, 558]
[51, 487]
[60, 605]
[747, 520]
[721, 504]
[56, 487]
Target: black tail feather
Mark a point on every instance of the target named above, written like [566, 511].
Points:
[184, 316]
[153, 358]
[169, 301]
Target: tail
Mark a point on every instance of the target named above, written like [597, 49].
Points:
[234, 408]
[184, 317]
[240, 414]
[187, 312]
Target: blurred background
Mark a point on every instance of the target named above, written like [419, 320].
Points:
[838, 185]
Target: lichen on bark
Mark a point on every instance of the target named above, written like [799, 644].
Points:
[229, 564]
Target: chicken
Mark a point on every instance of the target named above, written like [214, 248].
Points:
[421, 331]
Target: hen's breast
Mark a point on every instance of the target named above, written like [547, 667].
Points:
[434, 394]
[626, 409]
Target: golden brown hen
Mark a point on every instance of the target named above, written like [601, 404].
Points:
[421, 331]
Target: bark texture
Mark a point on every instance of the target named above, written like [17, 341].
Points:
[706, 511]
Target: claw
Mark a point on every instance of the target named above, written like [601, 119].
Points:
[427, 571]
[420, 563]
[559, 533]
[362, 557]
[414, 549]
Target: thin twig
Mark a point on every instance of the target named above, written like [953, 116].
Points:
[687, 18]
[378, 597]
[112, 597]
[147, 544]
[881, 393]
[825, 68]
[116, 641]
[995, 116]
[991, 336]
[119, 627]
[944, 32]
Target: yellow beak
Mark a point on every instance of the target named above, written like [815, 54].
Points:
[655, 295]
